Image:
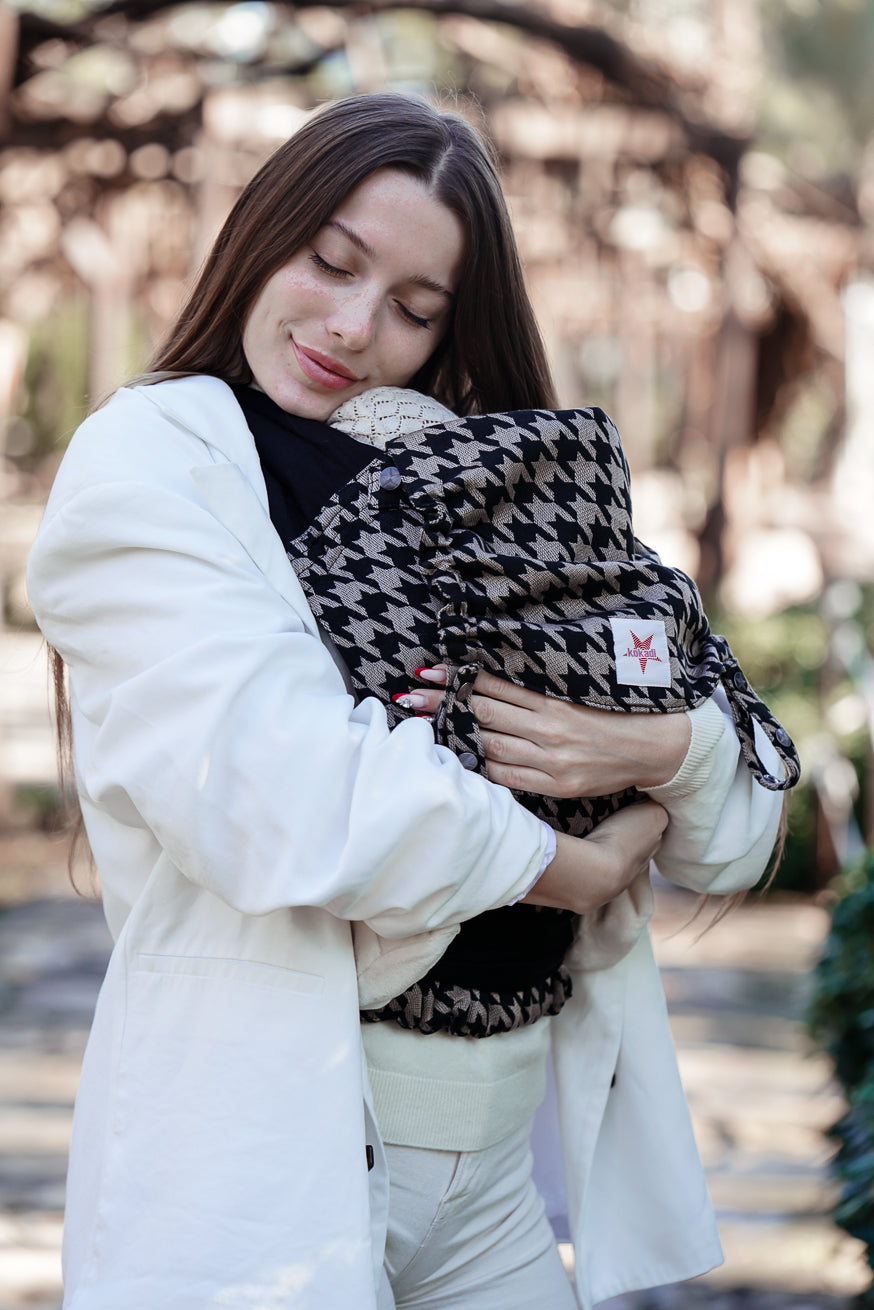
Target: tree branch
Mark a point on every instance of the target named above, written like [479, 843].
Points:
[643, 81]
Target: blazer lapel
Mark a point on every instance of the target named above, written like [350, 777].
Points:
[234, 502]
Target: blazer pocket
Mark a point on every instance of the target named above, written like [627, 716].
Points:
[220, 1064]
[217, 968]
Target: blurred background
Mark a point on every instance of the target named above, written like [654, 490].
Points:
[692, 185]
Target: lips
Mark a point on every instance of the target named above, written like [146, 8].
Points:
[322, 369]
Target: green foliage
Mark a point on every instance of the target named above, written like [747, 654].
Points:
[38, 807]
[782, 655]
[842, 1009]
[818, 88]
[841, 1019]
[56, 377]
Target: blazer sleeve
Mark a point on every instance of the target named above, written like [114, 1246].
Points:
[205, 712]
[723, 824]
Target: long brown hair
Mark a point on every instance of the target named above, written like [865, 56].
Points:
[492, 356]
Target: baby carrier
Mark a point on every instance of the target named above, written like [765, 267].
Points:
[505, 542]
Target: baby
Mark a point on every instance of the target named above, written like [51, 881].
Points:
[505, 542]
[377, 415]
[548, 492]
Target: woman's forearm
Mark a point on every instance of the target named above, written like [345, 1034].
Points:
[587, 872]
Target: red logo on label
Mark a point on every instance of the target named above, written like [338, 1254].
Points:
[641, 651]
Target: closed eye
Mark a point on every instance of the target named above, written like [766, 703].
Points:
[330, 269]
[413, 318]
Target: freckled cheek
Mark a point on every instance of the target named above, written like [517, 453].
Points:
[302, 292]
[401, 359]
[290, 300]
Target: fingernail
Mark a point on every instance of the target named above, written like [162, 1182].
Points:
[410, 700]
[431, 675]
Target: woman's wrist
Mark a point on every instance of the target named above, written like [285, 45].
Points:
[666, 739]
[564, 884]
[708, 725]
[548, 856]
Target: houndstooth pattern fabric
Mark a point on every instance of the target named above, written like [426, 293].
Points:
[471, 1012]
[505, 542]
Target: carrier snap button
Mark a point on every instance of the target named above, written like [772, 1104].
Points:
[783, 737]
[463, 692]
[739, 680]
[390, 478]
[467, 760]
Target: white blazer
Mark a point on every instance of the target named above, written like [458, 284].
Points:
[243, 812]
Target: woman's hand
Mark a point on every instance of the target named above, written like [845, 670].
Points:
[590, 871]
[552, 748]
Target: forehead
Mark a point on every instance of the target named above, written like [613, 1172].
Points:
[394, 217]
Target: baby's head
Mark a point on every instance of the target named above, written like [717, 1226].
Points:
[378, 415]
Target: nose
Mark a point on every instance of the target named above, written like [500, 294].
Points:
[353, 319]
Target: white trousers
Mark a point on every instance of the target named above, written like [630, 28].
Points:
[467, 1231]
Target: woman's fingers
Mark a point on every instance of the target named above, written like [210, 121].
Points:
[583, 750]
[436, 674]
[499, 689]
[522, 779]
[518, 764]
[503, 710]
[508, 717]
[549, 746]
[425, 700]
[636, 829]
[419, 700]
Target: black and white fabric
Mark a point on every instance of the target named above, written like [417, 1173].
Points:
[505, 542]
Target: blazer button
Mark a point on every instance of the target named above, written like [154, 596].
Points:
[783, 737]
[467, 760]
[739, 680]
[390, 478]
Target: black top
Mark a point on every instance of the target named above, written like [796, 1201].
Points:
[303, 461]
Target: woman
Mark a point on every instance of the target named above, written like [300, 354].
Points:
[244, 812]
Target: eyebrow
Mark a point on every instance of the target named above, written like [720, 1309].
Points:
[358, 241]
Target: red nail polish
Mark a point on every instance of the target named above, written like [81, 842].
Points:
[432, 675]
[411, 700]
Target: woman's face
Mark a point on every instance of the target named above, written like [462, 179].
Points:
[363, 305]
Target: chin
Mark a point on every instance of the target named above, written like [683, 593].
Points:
[302, 404]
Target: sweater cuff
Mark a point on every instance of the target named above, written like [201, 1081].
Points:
[708, 724]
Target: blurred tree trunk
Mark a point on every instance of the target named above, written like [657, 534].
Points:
[731, 416]
[8, 57]
[731, 421]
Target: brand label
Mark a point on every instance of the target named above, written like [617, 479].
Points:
[640, 647]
